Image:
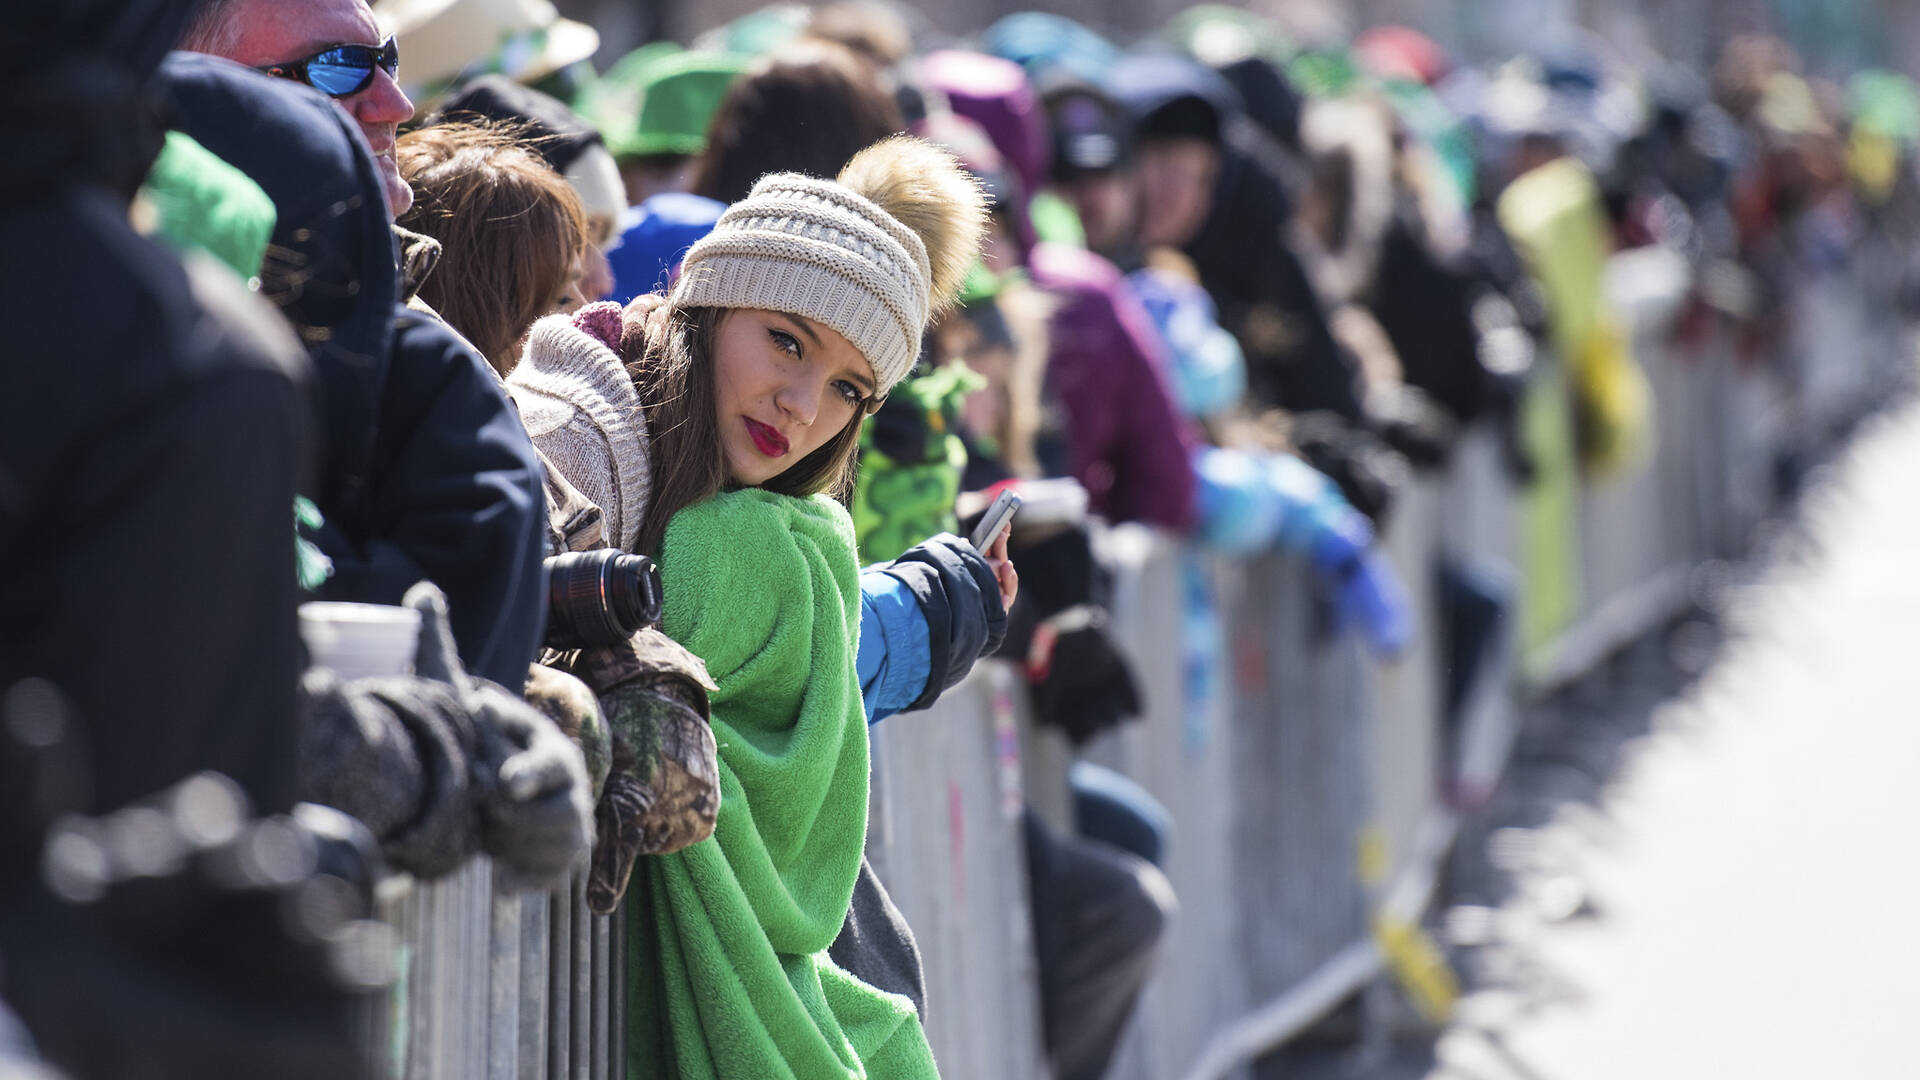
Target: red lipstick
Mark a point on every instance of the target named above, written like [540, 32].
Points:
[767, 440]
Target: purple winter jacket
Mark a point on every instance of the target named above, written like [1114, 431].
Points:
[1128, 444]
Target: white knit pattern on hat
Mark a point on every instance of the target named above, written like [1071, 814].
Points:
[811, 247]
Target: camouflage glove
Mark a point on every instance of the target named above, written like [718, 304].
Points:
[662, 790]
[575, 710]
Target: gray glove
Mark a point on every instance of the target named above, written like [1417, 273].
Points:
[535, 802]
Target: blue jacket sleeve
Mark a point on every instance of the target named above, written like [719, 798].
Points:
[454, 497]
[895, 654]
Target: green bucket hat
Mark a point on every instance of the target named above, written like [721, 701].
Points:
[659, 99]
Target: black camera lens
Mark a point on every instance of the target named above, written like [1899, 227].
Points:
[600, 597]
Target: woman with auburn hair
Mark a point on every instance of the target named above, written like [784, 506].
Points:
[511, 230]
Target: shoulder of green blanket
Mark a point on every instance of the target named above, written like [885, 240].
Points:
[723, 550]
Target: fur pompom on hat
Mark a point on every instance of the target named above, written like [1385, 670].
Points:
[875, 254]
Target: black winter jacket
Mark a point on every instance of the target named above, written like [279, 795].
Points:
[148, 456]
[454, 497]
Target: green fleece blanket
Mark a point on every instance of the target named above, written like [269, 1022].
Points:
[729, 973]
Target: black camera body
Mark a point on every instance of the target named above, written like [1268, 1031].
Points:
[600, 597]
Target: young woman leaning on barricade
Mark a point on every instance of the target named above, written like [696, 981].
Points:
[787, 326]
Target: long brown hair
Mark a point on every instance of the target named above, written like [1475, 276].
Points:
[511, 230]
[673, 370]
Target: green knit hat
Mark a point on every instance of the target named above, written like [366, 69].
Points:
[659, 99]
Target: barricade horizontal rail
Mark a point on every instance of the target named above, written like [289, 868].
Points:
[1314, 791]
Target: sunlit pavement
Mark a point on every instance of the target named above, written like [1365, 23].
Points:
[1748, 881]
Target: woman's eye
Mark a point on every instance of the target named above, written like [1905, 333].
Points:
[850, 392]
[787, 342]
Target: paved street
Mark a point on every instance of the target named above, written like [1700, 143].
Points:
[1741, 896]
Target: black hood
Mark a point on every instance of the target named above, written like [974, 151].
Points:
[1268, 98]
[332, 267]
[76, 94]
[1168, 94]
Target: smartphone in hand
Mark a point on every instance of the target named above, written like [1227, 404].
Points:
[996, 519]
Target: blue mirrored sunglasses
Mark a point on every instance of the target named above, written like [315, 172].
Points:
[340, 70]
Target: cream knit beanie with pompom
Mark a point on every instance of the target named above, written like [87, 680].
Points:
[874, 254]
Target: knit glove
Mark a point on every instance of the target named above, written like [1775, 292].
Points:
[1081, 682]
[534, 796]
[957, 593]
[1411, 423]
[1078, 679]
[1365, 592]
[662, 789]
[1369, 472]
[398, 754]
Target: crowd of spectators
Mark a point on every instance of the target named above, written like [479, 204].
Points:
[388, 305]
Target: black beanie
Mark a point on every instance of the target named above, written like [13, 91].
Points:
[1190, 115]
[557, 134]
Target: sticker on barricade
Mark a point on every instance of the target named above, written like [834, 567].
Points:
[1417, 966]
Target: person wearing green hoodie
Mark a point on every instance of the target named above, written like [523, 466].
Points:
[789, 323]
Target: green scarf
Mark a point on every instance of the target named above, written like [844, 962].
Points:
[728, 960]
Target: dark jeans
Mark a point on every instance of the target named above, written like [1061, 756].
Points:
[1098, 916]
[1114, 809]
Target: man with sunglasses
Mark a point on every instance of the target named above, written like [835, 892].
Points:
[428, 472]
[335, 46]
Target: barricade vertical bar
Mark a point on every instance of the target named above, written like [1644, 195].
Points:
[580, 964]
[503, 979]
[1403, 751]
[535, 951]
[427, 1019]
[617, 994]
[597, 993]
[477, 985]
[453, 1004]
[468, 953]
[399, 905]
[560, 987]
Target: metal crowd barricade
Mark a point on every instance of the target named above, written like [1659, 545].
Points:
[526, 987]
[1314, 791]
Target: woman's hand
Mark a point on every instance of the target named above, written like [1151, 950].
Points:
[642, 320]
[1003, 571]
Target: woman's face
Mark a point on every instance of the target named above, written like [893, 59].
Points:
[784, 386]
[1176, 188]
